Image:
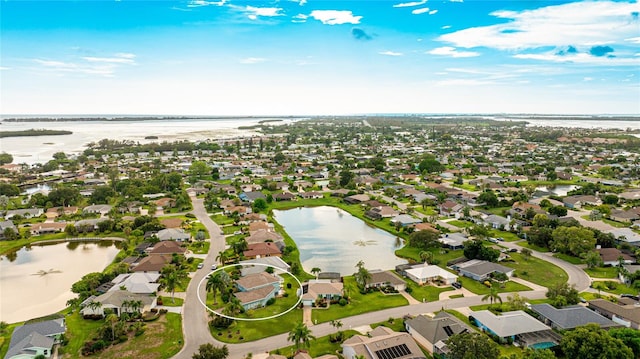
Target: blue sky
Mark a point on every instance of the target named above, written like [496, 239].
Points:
[309, 57]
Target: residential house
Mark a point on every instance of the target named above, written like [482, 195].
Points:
[627, 315]
[450, 209]
[255, 290]
[626, 235]
[285, 196]
[257, 265]
[623, 216]
[4, 225]
[516, 326]
[165, 202]
[498, 222]
[405, 220]
[89, 225]
[47, 228]
[251, 196]
[377, 213]
[101, 209]
[578, 201]
[481, 270]
[569, 317]
[380, 278]
[139, 283]
[311, 195]
[357, 198]
[259, 250]
[432, 333]
[152, 264]
[114, 300]
[321, 289]
[631, 269]
[424, 274]
[37, 338]
[382, 343]
[262, 235]
[171, 222]
[173, 234]
[25, 213]
[454, 240]
[166, 247]
[612, 256]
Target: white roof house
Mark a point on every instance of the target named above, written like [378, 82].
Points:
[424, 273]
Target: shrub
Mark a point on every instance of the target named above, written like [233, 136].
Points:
[408, 290]
[271, 301]
[342, 302]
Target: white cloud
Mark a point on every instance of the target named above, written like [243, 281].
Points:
[420, 11]
[252, 60]
[410, 4]
[580, 58]
[463, 82]
[456, 0]
[300, 18]
[300, 2]
[335, 17]
[198, 3]
[433, 12]
[574, 24]
[4, 68]
[635, 40]
[587, 79]
[254, 12]
[390, 53]
[60, 67]
[452, 51]
[446, 27]
[115, 60]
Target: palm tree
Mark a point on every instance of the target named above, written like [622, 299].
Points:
[136, 306]
[492, 296]
[94, 306]
[222, 257]
[233, 307]
[362, 276]
[218, 283]
[112, 319]
[171, 278]
[300, 335]
[239, 247]
[315, 271]
[426, 256]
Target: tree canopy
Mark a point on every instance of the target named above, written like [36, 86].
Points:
[208, 351]
[472, 346]
[592, 342]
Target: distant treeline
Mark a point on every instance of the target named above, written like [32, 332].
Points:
[136, 118]
[33, 132]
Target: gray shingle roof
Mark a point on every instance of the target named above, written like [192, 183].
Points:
[571, 317]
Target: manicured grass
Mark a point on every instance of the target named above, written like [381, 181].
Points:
[481, 289]
[319, 346]
[395, 324]
[537, 271]
[168, 302]
[427, 211]
[614, 223]
[498, 210]
[359, 303]
[460, 224]
[221, 219]
[618, 288]
[568, 258]
[466, 186]
[533, 246]
[199, 247]
[602, 272]
[231, 229]
[507, 236]
[244, 331]
[441, 254]
[427, 292]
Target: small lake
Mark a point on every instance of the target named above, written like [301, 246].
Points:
[560, 190]
[26, 293]
[334, 241]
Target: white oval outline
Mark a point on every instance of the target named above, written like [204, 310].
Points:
[249, 319]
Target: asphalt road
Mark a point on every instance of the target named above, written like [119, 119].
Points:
[195, 318]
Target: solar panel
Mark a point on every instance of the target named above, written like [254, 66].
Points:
[393, 352]
[447, 329]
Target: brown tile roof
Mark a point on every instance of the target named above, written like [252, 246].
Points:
[171, 222]
[167, 247]
[152, 263]
[257, 280]
[254, 295]
[262, 249]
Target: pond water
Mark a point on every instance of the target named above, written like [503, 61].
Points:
[560, 190]
[334, 241]
[27, 292]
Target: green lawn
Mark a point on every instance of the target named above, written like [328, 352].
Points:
[222, 219]
[614, 223]
[395, 324]
[481, 289]
[507, 236]
[199, 247]
[617, 288]
[168, 302]
[79, 331]
[533, 246]
[602, 272]
[537, 271]
[460, 224]
[568, 258]
[245, 331]
[319, 346]
[428, 292]
[5, 338]
[441, 254]
[359, 303]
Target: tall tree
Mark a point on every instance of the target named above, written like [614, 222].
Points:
[218, 282]
[472, 346]
[592, 342]
[362, 275]
[492, 296]
[208, 351]
[300, 335]
[171, 278]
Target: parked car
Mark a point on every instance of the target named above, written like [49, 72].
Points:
[493, 240]
[513, 250]
[214, 266]
[457, 285]
[500, 239]
[200, 265]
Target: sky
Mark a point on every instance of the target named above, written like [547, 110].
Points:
[306, 57]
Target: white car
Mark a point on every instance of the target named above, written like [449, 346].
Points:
[200, 265]
[214, 266]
